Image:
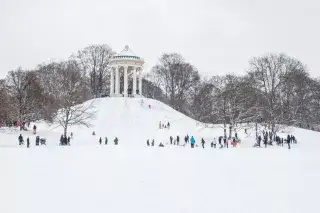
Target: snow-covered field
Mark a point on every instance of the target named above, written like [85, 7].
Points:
[132, 177]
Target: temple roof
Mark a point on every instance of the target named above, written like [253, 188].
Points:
[126, 53]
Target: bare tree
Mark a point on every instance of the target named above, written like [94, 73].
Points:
[24, 88]
[95, 60]
[4, 102]
[72, 111]
[176, 78]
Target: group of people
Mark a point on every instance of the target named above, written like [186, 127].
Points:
[268, 138]
[65, 141]
[164, 126]
[223, 142]
[116, 141]
[39, 141]
[22, 125]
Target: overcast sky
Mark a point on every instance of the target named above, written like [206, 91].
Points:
[217, 36]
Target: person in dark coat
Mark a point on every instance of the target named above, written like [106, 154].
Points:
[65, 140]
[171, 139]
[37, 141]
[152, 143]
[265, 141]
[202, 142]
[220, 142]
[116, 140]
[168, 125]
[105, 141]
[148, 143]
[34, 129]
[185, 139]
[178, 139]
[236, 135]
[69, 140]
[259, 140]
[61, 140]
[225, 142]
[20, 138]
[212, 144]
[100, 140]
[288, 139]
[28, 142]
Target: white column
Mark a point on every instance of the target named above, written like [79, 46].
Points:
[117, 81]
[134, 80]
[125, 83]
[112, 82]
[140, 82]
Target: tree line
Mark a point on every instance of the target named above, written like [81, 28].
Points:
[275, 90]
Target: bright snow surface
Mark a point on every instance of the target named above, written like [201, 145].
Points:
[132, 177]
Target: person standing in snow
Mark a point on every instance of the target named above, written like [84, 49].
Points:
[71, 135]
[236, 135]
[61, 140]
[20, 138]
[34, 129]
[178, 139]
[148, 143]
[105, 141]
[69, 140]
[220, 141]
[259, 140]
[100, 140]
[28, 142]
[288, 139]
[116, 140]
[265, 141]
[168, 125]
[152, 143]
[225, 142]
[171, 139]
[37, 140]
[185, 139]
[192, 141]
[202, 142]
[214, 143]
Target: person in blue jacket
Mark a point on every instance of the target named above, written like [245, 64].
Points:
[192, 141]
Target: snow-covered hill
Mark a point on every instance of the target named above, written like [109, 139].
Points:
[131, 177]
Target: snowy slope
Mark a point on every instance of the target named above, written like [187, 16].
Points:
[131, 177]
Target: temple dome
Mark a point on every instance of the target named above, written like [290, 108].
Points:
[126, 53]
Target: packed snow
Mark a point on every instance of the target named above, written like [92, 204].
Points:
[131, 177]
